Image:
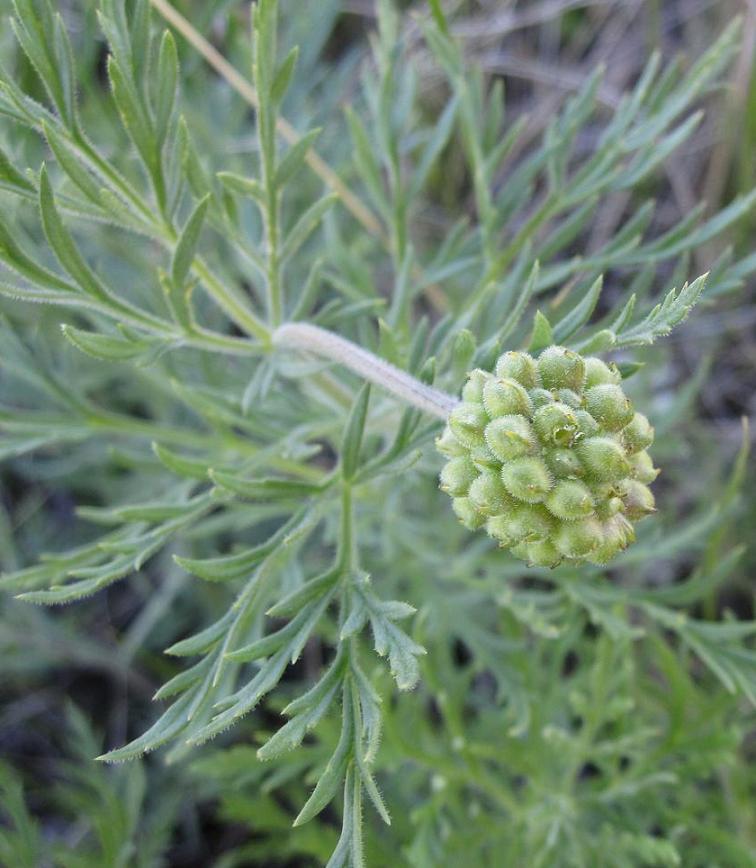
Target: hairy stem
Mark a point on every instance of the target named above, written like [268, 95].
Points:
[348, 543]
[370, 367]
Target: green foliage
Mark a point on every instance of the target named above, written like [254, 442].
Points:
[280, 522]
[122, 824]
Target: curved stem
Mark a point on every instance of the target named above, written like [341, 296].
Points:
[301, 336]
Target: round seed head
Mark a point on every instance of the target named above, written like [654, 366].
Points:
[473, 388]
[577, 539]
[603, 458]
[457, 475]
[467, 421]
[570, 500]
[488, 495]
[549, 457]
[527, 479]
[555, 424]
[598, 373]
[637, 434]
[560, 368]
[518, 366]
[609, 406]
[510, 437]
[503, 396]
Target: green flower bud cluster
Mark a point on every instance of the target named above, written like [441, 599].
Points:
[550, 457]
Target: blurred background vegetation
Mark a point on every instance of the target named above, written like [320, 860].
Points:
[101, 662]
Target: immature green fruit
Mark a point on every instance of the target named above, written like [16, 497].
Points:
[497, 528]
[570, 500]
[608, 496]
[466, 513]
[561, 369]
[527, 523]
[527, 479]
[540, 397]
[448, 445]
[488, 495]
[570, 398]
[503, 397]
[538, 554]
[578, 539]
[587, 425]
[473, 388]
[642, 468]
[609, 406]
[555, 424]
[518, 366]
[563, 463]
[510, 437]
[609, 508]
[638, 499]
[549, 455]
[617, 534]
[637, 434]
[467, 421]
[603, 458]
[597, 373]
[457, 476]
[483, 458]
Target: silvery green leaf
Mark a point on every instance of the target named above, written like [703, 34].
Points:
[353, 433]
[63, 244]
[293, 159]
[166, 727]
[107, 347]
[284, 75]
[305, 225]
[580, 314]
[166, 85]
[186, 246]
[330, 780]
[542, 333]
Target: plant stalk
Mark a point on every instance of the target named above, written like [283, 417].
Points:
[312, 339]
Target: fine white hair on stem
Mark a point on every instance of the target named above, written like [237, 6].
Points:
[328, 345]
